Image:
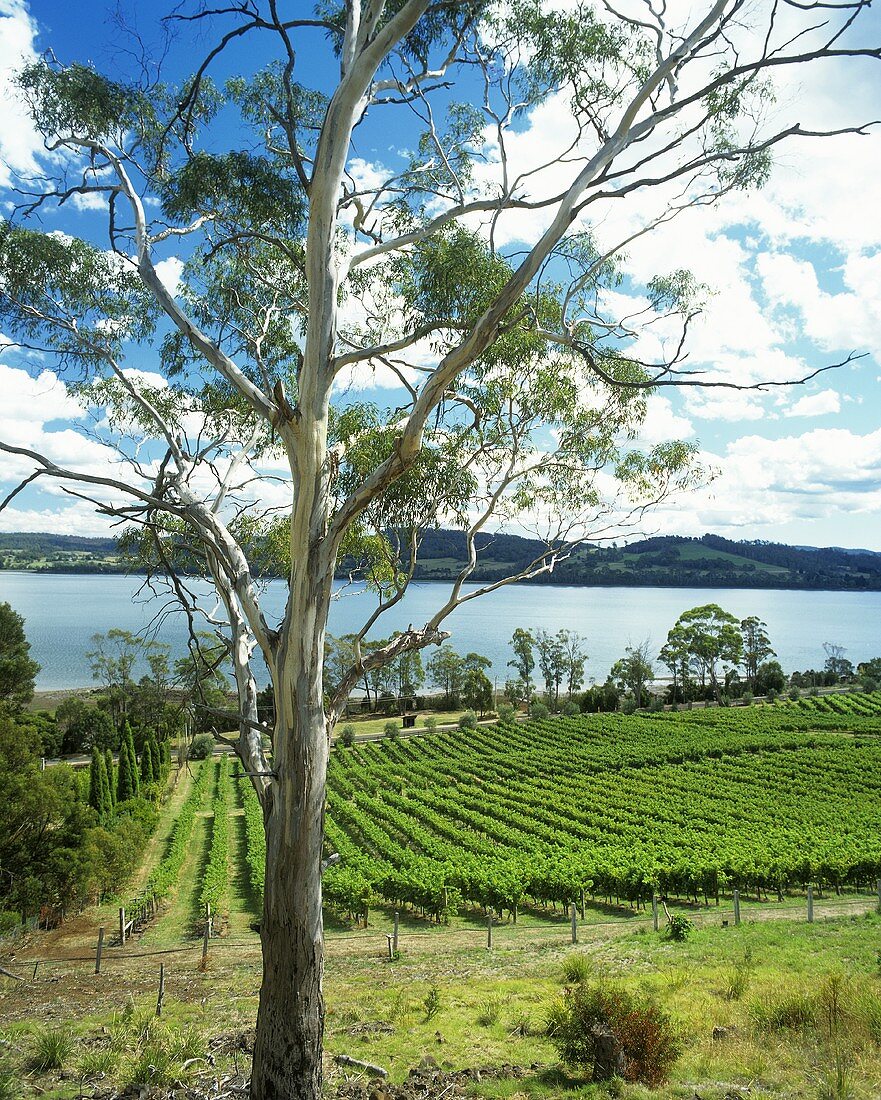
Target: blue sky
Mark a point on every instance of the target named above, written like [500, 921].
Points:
[794, 271]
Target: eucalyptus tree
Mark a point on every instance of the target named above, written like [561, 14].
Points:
[756, 647]
[711, 637]
[633, 672]
[477, 284]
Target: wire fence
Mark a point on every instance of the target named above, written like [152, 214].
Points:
[382, 943]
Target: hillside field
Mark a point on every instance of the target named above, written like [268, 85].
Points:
[518, 820]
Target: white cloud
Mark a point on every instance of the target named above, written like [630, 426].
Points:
[817, 404]
[170, 271]
[20, 144]
[663, 423]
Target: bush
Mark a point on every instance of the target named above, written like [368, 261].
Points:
[747, 698]
[52, 1049]
[430, 723]
[576, 968]
[793, 1011]
[391, 730]
[679, 928]
[607, 1030]
[570, 709]
[489, 1011]
[201, 747]
[468, 721]
[539, 711]
[347, 736]
[628, 705]
[794, 693]
[507, 713]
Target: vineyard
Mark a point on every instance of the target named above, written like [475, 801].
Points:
[690, 805]
[533, 815]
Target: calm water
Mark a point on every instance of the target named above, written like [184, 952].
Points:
[63, 611]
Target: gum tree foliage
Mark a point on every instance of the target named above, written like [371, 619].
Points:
[17, 669]
[634, 671]
[756, 647]
[712, 640]
[518, 400]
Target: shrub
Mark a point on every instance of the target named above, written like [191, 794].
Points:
[468, 721]
[489, 1011]
[738, 978]
[793, 1011]
[347, 736]
[628, 705]
[391, 730]
[507, 713]
[576, 968]
[607, 1030]
[747, 698]
[432, 1003]
[570, 709]
[794, 693]
[430, 723]
[539, 711]
[679, 928]
[52, 1049]
[201, 747]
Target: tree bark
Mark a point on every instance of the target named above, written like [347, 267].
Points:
[290, 1018]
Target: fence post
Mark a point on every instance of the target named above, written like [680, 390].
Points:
[388, 940]
[208, 917]
[34, 975]
[574, 923]
[878, 884]
[100, 948]
[205, 945]
[737, 907]
[395, 933]
[655, 911]
[161, 989]
[582, 903]
[810, 905]
[489, 931]
[122, 926]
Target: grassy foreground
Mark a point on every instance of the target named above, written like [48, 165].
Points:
[780, 1009]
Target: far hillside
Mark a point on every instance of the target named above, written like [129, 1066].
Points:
[706, 562]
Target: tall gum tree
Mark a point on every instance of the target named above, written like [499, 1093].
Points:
[234, 444]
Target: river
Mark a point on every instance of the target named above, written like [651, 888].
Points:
[63, 611]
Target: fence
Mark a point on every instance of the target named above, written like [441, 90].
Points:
[495, 934]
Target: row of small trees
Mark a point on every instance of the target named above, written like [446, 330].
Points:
[709, 654]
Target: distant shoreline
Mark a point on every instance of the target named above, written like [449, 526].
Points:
[625, 581]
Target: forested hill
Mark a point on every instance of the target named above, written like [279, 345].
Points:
[707, 562]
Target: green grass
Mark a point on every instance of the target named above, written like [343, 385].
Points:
[490, 1009]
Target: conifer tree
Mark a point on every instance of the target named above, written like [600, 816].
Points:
[127, 774]
[129, 739]
[106, 786]
[146, 771]
[155, 758]
[111, 781]
[97, 796]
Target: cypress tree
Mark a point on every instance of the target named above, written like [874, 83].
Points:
[111, 780]
[126, 775]
[106, 787]
[165, 749]
[96, 787]
[129, 739]
[146, 772]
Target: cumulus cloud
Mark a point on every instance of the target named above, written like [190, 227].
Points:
[816, 404]
[19, 141]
